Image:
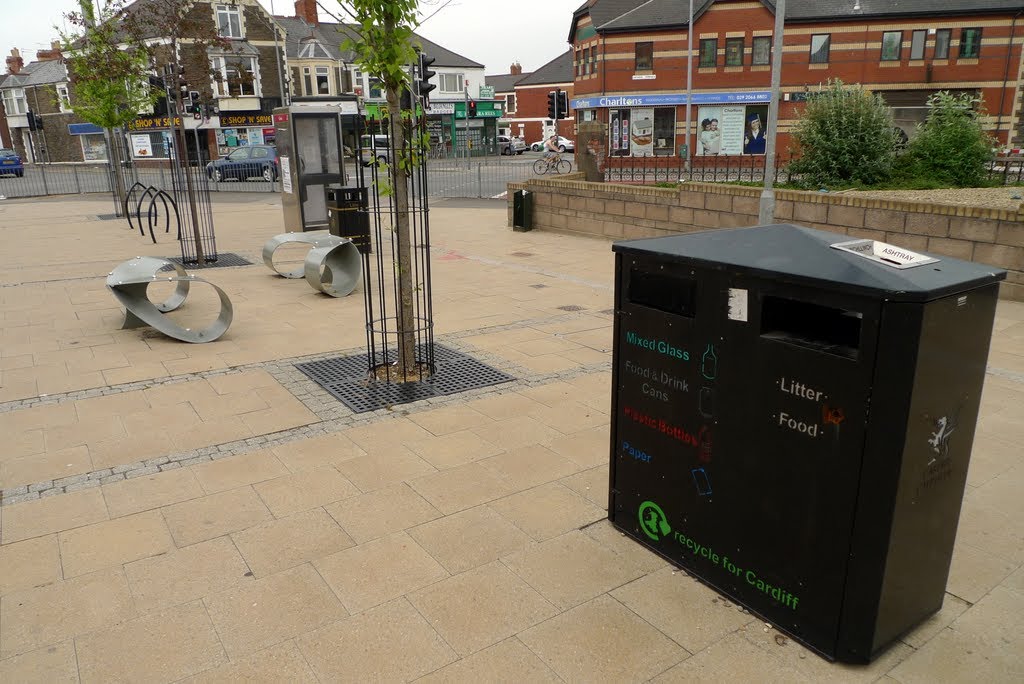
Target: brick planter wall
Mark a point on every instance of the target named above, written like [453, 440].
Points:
[570, 204]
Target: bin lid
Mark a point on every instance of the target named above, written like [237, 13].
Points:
[804, 255]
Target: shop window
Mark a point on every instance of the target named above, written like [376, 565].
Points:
[94, 147]
[709, 52]
[64, 98]
[970, 43]
[734, 51]
[892, 46]
[451, 83]
[917, 39]
[664, 130]
[644, 57]
[762, 52]
[229, 21]
[942, 40]
[820, 45]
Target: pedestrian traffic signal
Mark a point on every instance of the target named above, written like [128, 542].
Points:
[472, 108]
[563, 104]
[424, 84]
[553, 104]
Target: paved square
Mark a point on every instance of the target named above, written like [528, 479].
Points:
[174, 512]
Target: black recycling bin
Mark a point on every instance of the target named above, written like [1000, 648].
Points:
[348, 215]
[522, 210]
[793, 415]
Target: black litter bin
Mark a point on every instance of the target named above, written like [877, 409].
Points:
[348, 215]
[793, 415]
[522, 210]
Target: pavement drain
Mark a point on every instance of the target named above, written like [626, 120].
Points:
[108, 217]
[345, 378]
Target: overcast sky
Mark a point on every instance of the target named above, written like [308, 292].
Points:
[485, 31]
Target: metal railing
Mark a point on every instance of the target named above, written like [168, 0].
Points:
[651, 170]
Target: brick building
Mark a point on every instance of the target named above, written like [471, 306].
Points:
[531, 117]
[630, 64]
[505, 90]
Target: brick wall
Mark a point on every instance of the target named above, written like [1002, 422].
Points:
[532, 105]
[989, 236]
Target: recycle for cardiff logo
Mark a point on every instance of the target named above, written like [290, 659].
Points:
[653, 521]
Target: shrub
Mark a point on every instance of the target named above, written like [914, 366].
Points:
[950, 146]
[845, 136]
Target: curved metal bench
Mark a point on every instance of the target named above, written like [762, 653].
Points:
[333, 265]
[129, 282]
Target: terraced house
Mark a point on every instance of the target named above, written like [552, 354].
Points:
[631, 57]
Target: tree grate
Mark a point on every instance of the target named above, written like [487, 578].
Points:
[223, 261]
[345, 378]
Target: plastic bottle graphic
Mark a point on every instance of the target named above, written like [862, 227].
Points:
[706, 402]
[709, 363]
[704, 445]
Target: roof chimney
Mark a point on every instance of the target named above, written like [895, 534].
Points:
[306, 9]
[516, 69]
[53, 53]
[15, 62]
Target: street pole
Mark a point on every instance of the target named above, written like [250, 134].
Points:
[766, 214]
[465, 138]
[689, 84]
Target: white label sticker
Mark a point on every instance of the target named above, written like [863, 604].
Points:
[737, 304]
[286, 174]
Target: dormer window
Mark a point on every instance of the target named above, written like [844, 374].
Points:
[229, 21]
[311, 49]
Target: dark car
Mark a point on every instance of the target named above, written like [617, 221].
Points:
[253, 161]
[10, 162]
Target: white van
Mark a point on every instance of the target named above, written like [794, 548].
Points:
[374, 147]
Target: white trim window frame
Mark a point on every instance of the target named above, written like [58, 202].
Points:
[15, 102]
[239, 76]
[64, 98]
[451, 83]
[229, 21]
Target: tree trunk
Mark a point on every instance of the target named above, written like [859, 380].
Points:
[116, 166]
[399, 172]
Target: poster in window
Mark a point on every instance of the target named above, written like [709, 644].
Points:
[641, 132]
[709, 134]
[141, 146]
[732, 125]
[614, 128]
[230, 137]
[255, 136]
[755, 122]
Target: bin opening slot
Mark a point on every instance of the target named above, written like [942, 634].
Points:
[813, 326]
[663, 291]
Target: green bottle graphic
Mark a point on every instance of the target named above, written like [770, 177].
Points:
[709, 363]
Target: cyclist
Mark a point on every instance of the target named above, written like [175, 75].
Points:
[551, 152]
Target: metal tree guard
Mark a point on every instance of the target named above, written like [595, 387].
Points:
[381, 273]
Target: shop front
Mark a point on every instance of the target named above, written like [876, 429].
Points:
[727, 123]
[239, 129]
[452, 132]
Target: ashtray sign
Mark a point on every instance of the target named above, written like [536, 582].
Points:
[884, 253]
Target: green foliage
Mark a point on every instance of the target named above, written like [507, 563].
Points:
[107, 66]
[950, 147]
[844, 136]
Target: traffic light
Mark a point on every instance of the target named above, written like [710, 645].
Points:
[553, 104]
[424, 86]
[563, 104]
[472, 108]
[39, 122]
[31, 120]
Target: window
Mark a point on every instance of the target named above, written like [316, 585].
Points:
[820, 44]
[579, 62]
[644, 57]
[592, 68]
[229, 21]
[14, 101]
[892, 46]
[451, 83]
[63, 98]
[709, 52]
[323, 80]
[307, 81]
[357, 81]
[586, 61]
[310, 49]
[238, 76]
[377, 88]
[94, 147]
[510, 103]
[762, 53]
[970, 43]
[942, 39]
[734, 52]
[917, 39]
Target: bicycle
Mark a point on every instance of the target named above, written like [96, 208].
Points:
[555, 163]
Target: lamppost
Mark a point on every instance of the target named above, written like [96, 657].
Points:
[689, 84]
[766, 213]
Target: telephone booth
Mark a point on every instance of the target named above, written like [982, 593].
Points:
[311, 137]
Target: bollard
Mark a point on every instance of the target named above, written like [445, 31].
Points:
[479, 180]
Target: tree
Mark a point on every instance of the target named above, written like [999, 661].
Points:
[384, 48]
[845, 135]
[951, 147]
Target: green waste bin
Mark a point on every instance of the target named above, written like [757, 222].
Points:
[522, 210]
